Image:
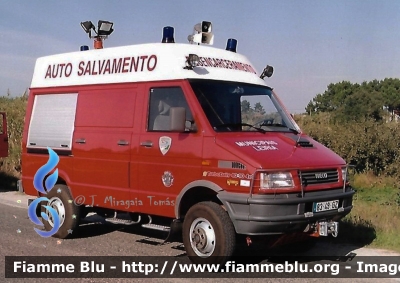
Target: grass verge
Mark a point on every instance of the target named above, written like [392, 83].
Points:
[375, 218]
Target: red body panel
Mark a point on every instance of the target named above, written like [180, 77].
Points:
[117, 163]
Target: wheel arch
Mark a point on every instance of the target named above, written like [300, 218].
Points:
[196, 192]
[63, 178]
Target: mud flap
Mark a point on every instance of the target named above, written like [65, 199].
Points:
[174, 234]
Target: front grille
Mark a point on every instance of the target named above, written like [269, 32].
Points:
[319, 177]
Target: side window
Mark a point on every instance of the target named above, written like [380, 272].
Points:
[161, 101]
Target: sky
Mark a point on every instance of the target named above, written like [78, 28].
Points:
[309, 43]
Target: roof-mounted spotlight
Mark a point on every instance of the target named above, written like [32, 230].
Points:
[168, 35]
[267, 72]
[191, 61]
[202, 33]
[104, 29]
[231, 45]
[87, 26]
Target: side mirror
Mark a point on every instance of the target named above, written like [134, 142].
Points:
[178, 119]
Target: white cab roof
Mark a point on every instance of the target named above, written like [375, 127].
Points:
[139, 63]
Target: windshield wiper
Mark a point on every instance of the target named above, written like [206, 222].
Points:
[241, 125]
[283, 126]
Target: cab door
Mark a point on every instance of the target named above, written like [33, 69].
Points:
[167, 161]
[3, 135]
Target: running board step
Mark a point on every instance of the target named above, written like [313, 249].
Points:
[120, 221]
[157, 227]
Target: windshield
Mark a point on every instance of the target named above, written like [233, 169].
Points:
[232, 106]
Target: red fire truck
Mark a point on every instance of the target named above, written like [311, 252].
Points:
[158, 132]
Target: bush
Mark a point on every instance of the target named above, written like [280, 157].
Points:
[369, 146]
[15, 110]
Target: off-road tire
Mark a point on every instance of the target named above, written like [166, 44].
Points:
[208, 233]
[60, 198]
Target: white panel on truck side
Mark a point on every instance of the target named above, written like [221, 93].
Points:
[52, 121]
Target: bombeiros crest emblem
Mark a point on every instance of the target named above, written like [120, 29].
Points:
[164, 144]
[167, 179]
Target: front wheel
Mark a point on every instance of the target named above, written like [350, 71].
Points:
[208, 233]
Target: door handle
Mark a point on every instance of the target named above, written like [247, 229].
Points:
[146, 144]
[80, 141]
[123, 142]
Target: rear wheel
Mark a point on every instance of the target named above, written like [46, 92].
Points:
[208, 233]
[69, 213]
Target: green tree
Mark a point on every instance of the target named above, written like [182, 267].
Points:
[361, 106]
[259, 108]
[245, 105]
[389, 89]
[354, 101]
[332, 98]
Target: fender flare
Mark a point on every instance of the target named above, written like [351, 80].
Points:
[199, 183]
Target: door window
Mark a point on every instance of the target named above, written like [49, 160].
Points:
[161, 101]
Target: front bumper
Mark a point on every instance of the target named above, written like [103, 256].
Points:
[283, 213]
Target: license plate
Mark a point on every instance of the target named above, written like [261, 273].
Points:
[325, 205]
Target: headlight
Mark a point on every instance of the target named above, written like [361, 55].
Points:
[279, 180]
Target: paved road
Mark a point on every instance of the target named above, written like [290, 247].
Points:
[17, 237]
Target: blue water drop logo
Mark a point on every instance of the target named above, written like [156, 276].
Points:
[49, 184]
[44, 170]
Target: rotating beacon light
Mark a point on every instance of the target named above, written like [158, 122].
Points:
[231, 45]
[202, 33]
[104, 29]
[168, 35]
[84, 48]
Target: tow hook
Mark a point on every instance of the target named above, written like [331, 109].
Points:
[328, 228]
